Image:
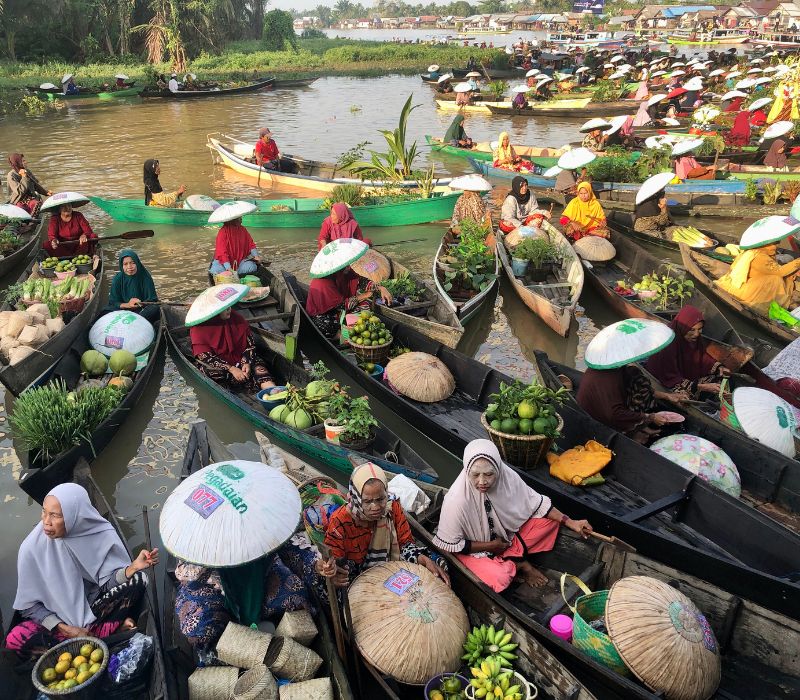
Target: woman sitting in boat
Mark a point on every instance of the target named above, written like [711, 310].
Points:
[372, 528]
[584, 216]
[234, 248]
[340, 224]
[651, 216]
[68, 85]
[518, 207]
[154, 195]
[543, 92]
[594, 141]
[506, 157]
[68, 232]
[456, 136]
[491, 520]
[24, 190]
[75, 577]
[470, 205]
[775, 157]
[687, 167]
[519, 102]
[740, 132]
[784, 369]
[131, 286]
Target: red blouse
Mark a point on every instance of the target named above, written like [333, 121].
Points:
[70, 230]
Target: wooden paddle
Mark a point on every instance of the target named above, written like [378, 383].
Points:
[127, 236]
[407, 240]
[614, 541]
[151, 576]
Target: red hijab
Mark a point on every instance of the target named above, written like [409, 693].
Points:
[327, 293]
[225, 338]
[740, 131]
[234, 243]
[758, 118]
[682, 359]
[734, 105]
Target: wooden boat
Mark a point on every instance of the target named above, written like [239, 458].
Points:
[16, 679]
[57, 94]
[706, 271]
[311, 174]
[262, 84]
[16, 378]
[483, 151]
[31, 235]
[38, 477]
[293, 83]
[553, 299]
[565, 108]
[464, 306]
[289, 213]
[553, 108]
[745, 171]
[647, 500]
[622, 223]
[311, 442]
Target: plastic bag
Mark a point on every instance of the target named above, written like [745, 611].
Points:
[127, 662]
[411, 497]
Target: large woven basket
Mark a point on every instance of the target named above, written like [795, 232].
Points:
[85, 690]
[256, 684]
[242, 646]
[377, 354]
[299, 625]
[212, 682]
[292, 661]
[523, 451]
[315, 689]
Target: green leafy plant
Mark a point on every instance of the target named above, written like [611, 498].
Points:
[469, 264]
[351, 194]
[426, 182]
[606, 91]
[351, 155]
[357, 420]
[497, 89]
[525, 409]
[9, 241]
[612, 168]
[711, 146]
[653, 160]
[13, 293]
[670, 290]
[403, 286]
[537, 251]
[750, 190]
[772, 192]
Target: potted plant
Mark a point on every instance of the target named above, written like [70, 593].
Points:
[337, 410]
[359, 425]
[9, 242]
[540, 254]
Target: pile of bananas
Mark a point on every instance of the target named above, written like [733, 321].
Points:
[691, 237]
[492, 682]
[487, 644]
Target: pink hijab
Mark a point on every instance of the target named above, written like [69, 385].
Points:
[464, 515]
[642, 117]
[346, 226]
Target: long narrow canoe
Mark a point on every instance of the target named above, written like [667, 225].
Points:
[565, 108]
[220, 92]
[759, 172]
[39, 477]
[310, 442]
[289, 213]
[16, 378]
[205, 448]
[15, 679]
[31, 234]
[51, 95]
[555, 299]
[622, 223]
[706, 271]
[293, 83]
[647, 500]
[311, 174]
[465, 306]
[553, 108]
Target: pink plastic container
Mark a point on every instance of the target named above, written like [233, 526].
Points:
[561, 626]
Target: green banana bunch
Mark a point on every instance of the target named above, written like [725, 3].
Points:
[487, 644]
[493, 682]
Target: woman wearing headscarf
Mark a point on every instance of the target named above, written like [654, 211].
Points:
[518, 206]
[594, 141]
[643, 116]
[784, 369]
[234, 249]
[224, 349]
[685, 366]
[687, 168]
[506, 157]
[131, 286]
[24, 189]
[491, 520]
[757, 279]
[74, 575]
[739, 135]
[470, 205]
[340, 224]
[371, 529]
[455, 134]
[154, 195]
[68, 233]
[584, 216]
[652, 216]
[519, 101]
[775, 157]
[642, 91]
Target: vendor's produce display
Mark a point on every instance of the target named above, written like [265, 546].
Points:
[488, 644]
[691, 236]
[21, 332]
[71, 669]
[369, 338]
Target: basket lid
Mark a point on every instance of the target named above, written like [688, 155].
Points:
[420, 377]
[595, 249]
[373, 266]
[663, 638]
[407, 622]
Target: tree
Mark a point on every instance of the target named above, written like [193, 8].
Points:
[325, 15]
[278, 29]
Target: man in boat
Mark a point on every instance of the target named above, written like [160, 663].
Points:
[268, 155]
[173, 85]
[68, 85]
[75, 577]
[491, 520]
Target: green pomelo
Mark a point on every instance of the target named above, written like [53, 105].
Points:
[122, 362]
[93, 363]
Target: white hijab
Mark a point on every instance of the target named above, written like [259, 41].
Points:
[464, 515]
[57, 573]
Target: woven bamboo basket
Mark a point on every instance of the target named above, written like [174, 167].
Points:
[377, 354]
[292, 661]
[407, 622]
[421, 377]
[212, 682]
[315, 689]
[299, 625]
[663, 638]
[256, 684]
[523, 451]
[242, 646]
[86, 690]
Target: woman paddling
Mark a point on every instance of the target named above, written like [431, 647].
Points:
[24, 190]
[68, 232]
[75, 577]
[154, 195]
[340, 224]
[131, 286]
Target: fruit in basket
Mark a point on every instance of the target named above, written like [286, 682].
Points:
[62, 666]
[525, 410]
[49, 263]
[49, 675]
[369, 330]
[71, 672]
[81, 260]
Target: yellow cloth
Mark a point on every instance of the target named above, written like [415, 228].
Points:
[585, 214]
[579, 463]
[756, 279]
[164, 199]
[505, 155]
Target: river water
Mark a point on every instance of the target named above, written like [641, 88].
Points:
[99, 149]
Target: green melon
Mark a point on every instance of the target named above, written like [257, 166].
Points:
[93, 363]
[122, 362]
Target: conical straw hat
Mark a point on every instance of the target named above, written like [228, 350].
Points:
[76, 199]
[213, 301]
[596, 123]
[655, 99]
[463, 87]
[759, 103]
[576, 158]
[653, 184]
[777, 129]
[373, 266]
[230, 513]
[627, 341]
[794, 212]
[470, 183]
[766, 418]
[770, 229]
[663, 638]
[407, 622]
[336, 256]
[11, 211]
[595, 249]
[686, 145]
[231, 211]
[421, 377]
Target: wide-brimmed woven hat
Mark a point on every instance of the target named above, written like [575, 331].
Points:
[694, 84]
[715, 72]
[520, 88]
[686, 145]
[663, 638]
[201, 202]
[47, 86]
[763, 80]
[745, 84]
[552, 171]
[766, 418]
[653, 184]
[544, 79]
[121, 76]
[655, 99]
[532, 72]
[596, 123]
[627, 341]
[122, 329]
[463, 87]
[770, 229]
[616, 123]
[398, 605]
[67, 77]
[336, 256]
[230, 513]
[777, 129]
[373, 266]
[617, 75]
[231, 211]
[595, 249]
[658, 73]
[213, 301]
[576, 158]
[470, 183]
[420, 377]
[76, 199]
[754, 71]
[473, 74]
[11, 211]
[734, 74]
[733, 93]
[582, 69]
[759, 103]
[432, 68]
[444, 78]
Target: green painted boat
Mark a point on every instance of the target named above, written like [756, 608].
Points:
[116, 94]
[289, 213]
[109, 95]
[758, 172]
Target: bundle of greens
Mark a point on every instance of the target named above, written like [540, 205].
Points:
[403, 288]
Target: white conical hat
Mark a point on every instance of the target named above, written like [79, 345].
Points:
[596, 123]
[230, 513]
[520, 88]
[734, 74]
[754, 71]
[794, 212]
[627, 341]
[553, 171]
[231, 211]
[595, 249]
[213, 301]
[576, 158]
[676, 73]
[617, 75]
[122, 329]
[669, 121]
[652, 185]
[473, 74]
[744, 84]
[658, 140]
[762, 81]
[770, 229]
[766, 418]
[686, 145]
[11, 211]
[531, 72]
[470, 183]
[47, 86]
[617, 122]
[716, 72]
[694, 84]
[582, 69]
[733, 93]
[67, 77]
[777, 129]
[432, 68]
[616, 58]
[121, 76]
[463, 87]
[76, 199]
[759, 103]
[544, 79]
[658, 73]
[444, 78]
[656, 99]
